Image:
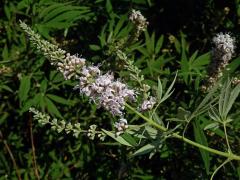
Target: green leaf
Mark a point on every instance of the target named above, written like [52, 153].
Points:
[197, 83]
[129, 139]
[185, 66]
[7, 88]
[119, 139]
[59, 99]
[60, 16]
[233, 65]
[43, 13]
[159, 90]
[150, 42]
[183, 114]
[24, 88]
[213, 125]
[52, 108]
[109, 7]
[193, 57]
[206, 103]
[233, 96]
[68, 16]
[60, 10]
[7, 12]
[201, 139]
[217, 131]
[94, 47]
[151, 132]
[177, 45]
[144, 150]
[224, 98]
[5, 53]
[3, 117]
[159, 44]
[213, 114]
[143, 51]
[201, 60]
[102, 36]
[119, 25]
[238, 168]
[31, 102]
[169, 90]
[43, 86]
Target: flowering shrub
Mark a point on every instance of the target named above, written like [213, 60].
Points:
[112, 95]
[132, 93]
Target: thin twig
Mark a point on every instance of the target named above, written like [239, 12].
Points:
[226, 137]
[11, 155]
[33, 149]
[219, 167]
[176, 135]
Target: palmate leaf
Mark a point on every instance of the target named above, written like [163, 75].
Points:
[58, 13]
[206, 103]
[227, 98]
[193, 57]
[223, 98]
[24, 88]
[60, 16]
[31, 102]
[151, 48]
[233, 96]
[201, 60]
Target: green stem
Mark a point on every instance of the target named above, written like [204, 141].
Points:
[175, 135]
[226, 137]
[216, 170]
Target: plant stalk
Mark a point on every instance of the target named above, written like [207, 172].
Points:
[226, 136]
[229, 155]
[216, 170]
[11, 156]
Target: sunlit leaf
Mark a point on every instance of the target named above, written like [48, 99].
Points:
[119, 139]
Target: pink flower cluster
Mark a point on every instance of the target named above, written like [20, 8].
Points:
[104, 90]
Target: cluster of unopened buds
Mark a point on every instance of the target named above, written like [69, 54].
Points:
[148, 104]
[70, 66]
[121, 126]
[222, 53]
[139, 21]
[5, 69]
[235, 80]
[92, 132]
